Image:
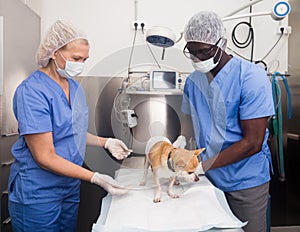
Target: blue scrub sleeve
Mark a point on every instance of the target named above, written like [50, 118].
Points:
[185, 106]
[256, 97]
[32, 110]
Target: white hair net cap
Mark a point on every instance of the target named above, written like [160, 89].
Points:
[58, 35]
[206, 27]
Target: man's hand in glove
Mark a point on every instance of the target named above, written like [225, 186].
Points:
[180, 142]
[199, 170]
[109, 184]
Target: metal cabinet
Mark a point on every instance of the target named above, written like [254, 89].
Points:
[6, 160]
[19, 39]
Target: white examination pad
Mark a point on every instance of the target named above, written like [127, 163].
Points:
[200, 207]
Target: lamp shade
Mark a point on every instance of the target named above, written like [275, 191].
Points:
[161, 37]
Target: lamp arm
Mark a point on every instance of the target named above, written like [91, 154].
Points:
[243, 7]
[180, 37]
[246, 15]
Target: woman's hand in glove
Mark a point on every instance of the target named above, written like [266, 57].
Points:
[109, 184]
[180, 142]
[117, 148]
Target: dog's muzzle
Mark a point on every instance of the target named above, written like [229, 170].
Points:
[196, 178]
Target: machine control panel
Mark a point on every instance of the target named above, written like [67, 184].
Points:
[159, 82]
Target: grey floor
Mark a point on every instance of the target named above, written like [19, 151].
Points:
[286, 229]
[285, 204]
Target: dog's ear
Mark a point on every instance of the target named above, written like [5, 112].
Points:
[199, 151]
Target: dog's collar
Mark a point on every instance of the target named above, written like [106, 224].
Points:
[170, 162]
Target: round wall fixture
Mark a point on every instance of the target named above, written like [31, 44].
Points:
[280, 10]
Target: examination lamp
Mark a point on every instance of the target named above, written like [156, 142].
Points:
[162, 37]
[165, 37]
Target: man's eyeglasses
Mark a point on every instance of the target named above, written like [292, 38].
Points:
[201, 54]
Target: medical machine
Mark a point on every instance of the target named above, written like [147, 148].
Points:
[128, 118]
[159, 81]
[165, 80]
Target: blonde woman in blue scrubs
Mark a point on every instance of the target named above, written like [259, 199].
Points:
[52, 118]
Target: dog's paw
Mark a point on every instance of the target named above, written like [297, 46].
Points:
[143, 183]
[156, 200]
[157, 197]
[176, 182]
[173, 195]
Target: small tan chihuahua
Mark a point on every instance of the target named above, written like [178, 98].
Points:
[177, 162]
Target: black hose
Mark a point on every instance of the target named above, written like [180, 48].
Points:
[249, 40]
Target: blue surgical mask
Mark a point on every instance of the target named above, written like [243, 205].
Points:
[72, 68]
[207, 65]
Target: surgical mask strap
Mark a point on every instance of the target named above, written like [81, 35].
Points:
[56, 64]
[62, 55]
[220, 55]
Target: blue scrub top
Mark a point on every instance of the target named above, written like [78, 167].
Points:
[40, 105]
[240, 91]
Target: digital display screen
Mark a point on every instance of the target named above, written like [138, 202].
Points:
[163, 80]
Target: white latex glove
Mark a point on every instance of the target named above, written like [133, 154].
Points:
[117, 148]
[180, 142]
[109, 184]
[199, 170]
